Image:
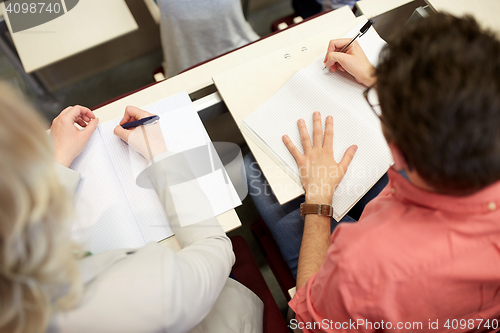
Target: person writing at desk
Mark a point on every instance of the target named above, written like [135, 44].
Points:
[425, 254]
[46, 285]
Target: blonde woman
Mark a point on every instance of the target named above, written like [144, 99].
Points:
[46, 285]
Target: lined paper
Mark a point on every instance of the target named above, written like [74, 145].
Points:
[339, 95]
[103, 219]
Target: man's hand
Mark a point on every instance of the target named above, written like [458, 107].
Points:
[354, 61]
[319, 172]
[69, 141]
[139, 137]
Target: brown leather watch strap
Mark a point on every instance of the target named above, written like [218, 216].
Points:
[318, 209]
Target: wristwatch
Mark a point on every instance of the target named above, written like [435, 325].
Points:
[318, 209]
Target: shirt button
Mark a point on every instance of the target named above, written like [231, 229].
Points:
[492, 206]
[393, 190]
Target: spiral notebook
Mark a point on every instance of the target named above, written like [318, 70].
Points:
[112, 212]
[339, 95]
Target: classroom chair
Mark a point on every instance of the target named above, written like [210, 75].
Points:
[247, 272]
[273, 256]
[285, 22]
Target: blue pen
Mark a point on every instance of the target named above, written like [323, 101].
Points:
[144, 121]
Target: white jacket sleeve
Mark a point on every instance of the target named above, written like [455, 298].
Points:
[174, 290]
[69, 178]
[196, 274]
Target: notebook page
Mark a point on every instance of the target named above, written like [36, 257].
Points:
[337, 94]
[103, 219]
[182, 130]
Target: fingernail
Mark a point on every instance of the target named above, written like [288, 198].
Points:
[329, 117]
[316, 113]
[285, 137]
[301, 121]
[355, 148]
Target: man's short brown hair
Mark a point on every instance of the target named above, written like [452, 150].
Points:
[439, 90]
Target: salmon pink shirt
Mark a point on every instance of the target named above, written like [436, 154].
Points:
[416, 261]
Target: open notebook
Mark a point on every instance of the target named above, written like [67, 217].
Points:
[337, 94]
[112, 212]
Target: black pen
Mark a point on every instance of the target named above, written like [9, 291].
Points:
[361, 32]
[144, 121]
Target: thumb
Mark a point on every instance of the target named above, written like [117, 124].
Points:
[334, 57]
[348, 156]
[122, 133]
[90, 128]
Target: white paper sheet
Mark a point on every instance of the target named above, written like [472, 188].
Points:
[339, 95]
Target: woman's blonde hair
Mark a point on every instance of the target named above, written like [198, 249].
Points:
[38, 268]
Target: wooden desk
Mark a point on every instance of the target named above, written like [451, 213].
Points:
[246, 87]
[484, 11]
[371, 8]
[88, 24]
[201, 77]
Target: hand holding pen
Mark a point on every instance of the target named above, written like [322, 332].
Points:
[361, 32]
[142, 131]
[346, 55]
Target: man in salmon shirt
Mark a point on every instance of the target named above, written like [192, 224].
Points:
[425, 254]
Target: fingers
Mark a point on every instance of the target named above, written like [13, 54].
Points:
[133, 113]
[348, 156]
[317, 130]
[85, 118]
[335, 57]
[90, 128]
[85, 113]
[336, 45]
[304, 135]
[80, 122]
[78, 112]
[328, 140]
[353, 48]
[65, 110]
[336, 66]
[291, 148]
[122, 133]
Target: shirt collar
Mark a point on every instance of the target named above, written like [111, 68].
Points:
[486, 200]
